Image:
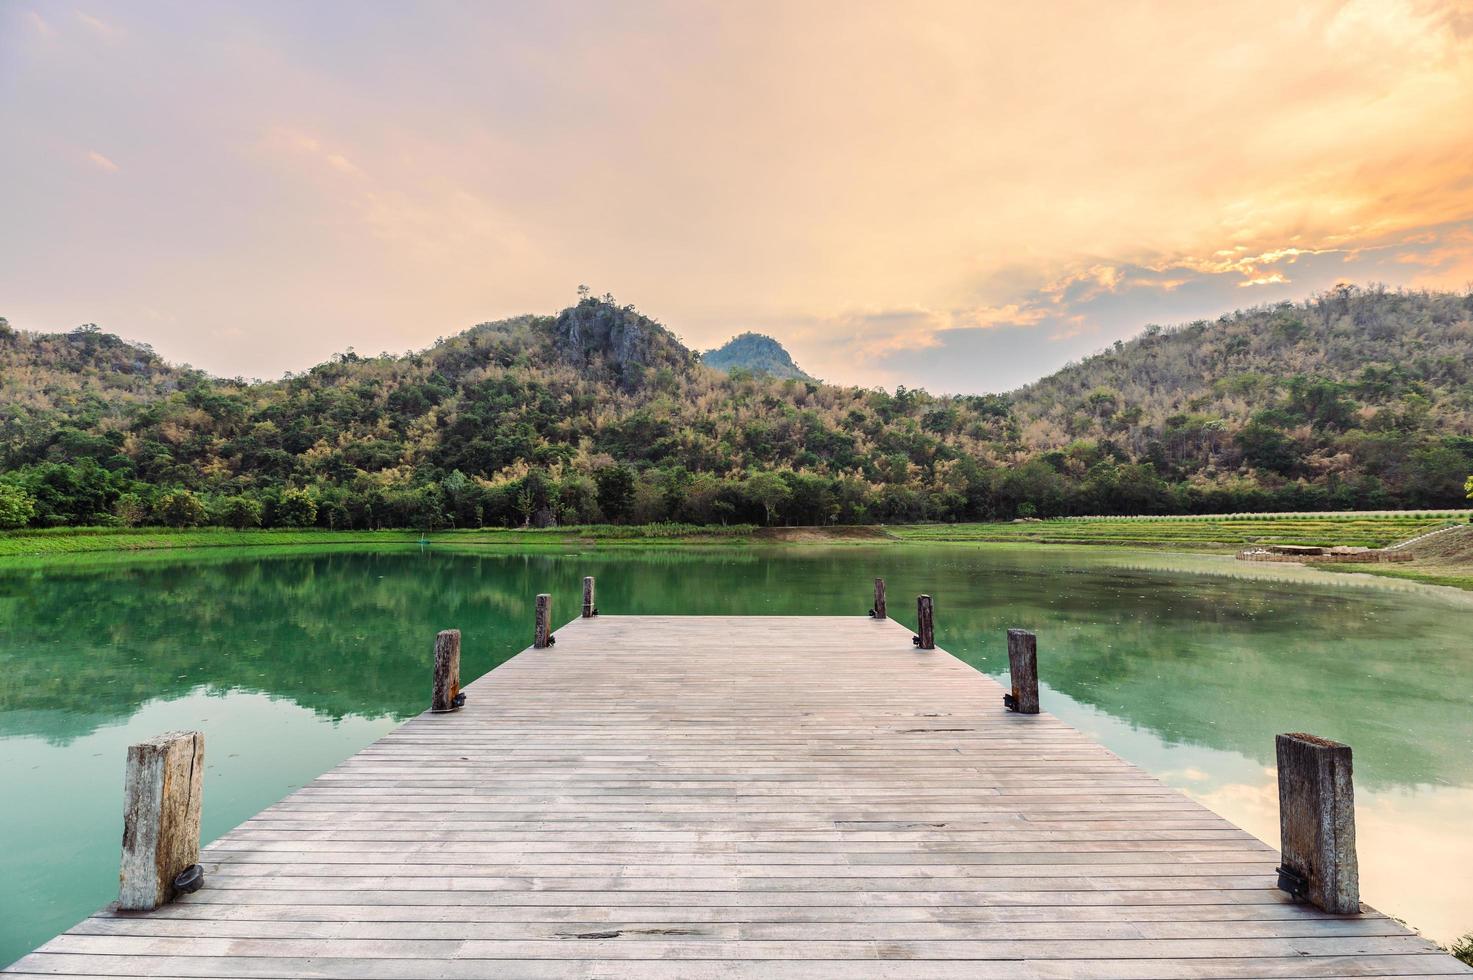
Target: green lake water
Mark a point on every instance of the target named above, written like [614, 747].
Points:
[1185, 665]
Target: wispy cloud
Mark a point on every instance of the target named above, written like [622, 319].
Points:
[101, 162]
[300, 146]
[957, 194]
[39, 24]
[97, 25]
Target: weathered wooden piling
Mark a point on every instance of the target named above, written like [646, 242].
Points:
[589, 609]
[542, 630]
[925, 637]
[161, 806]
[1023, 665]
[445, 695]
[1317, 822]
[877, 611]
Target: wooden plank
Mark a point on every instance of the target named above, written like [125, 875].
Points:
[736, 797]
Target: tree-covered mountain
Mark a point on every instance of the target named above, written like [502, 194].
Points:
[1354, 399]
[756, 353]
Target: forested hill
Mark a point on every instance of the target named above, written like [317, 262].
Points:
[757, 353]
[77, 373]
[1355, 399]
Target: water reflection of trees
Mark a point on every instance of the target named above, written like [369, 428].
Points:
[1195, 659]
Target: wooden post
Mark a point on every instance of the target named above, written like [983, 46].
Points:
[925, 624]
[161, 803]
[542, 630]
[878, 611]
[589, 610]
[1023, 663]
[445, 695]
[1317, 822]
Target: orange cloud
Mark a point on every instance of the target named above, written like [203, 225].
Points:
[101, 162]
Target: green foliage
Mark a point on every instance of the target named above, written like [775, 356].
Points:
[1462, 949]
[615, 490]
[241, 513]
[180, 508]
[768, 491]
[1358, 399]
[16, 506]
[296, 508]
[1266, 446]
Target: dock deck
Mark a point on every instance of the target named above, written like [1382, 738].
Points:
[688, 797]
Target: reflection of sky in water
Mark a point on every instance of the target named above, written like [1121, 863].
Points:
[257, 749]
[1184, 665]
[1414, 843]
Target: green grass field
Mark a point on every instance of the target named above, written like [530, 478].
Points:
[1207, 534]
[18, 545]
[1197, 533]
[1408, 574]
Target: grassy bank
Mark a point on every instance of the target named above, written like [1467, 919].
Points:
[1210, 534]
[1442, 559]
[1201, 534]
[1456, 578]
[20, 545]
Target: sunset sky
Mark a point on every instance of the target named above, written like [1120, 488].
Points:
[956, 196]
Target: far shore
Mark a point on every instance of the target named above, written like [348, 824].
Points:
[1225, 534]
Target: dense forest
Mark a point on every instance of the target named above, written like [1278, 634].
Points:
[1355, 399]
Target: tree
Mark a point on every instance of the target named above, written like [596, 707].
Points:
[65, 494]
[648, 503]
[18, 507]
[768, 490]
[462, 498]
[526, 505]
[180, 508]
[577, 500]
[132, 509]
[615, 490]
[1265, 446]
[296, 509]
[241, 513]
[1437, 476]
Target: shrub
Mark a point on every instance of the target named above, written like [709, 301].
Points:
[241, 513]
[180, 508]
[16, 506]
[296, 509]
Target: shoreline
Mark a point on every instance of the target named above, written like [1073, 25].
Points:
[1201, 536]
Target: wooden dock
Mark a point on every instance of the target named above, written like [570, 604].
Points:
[688, 797]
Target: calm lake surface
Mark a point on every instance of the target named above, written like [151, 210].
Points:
[1185, 665]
